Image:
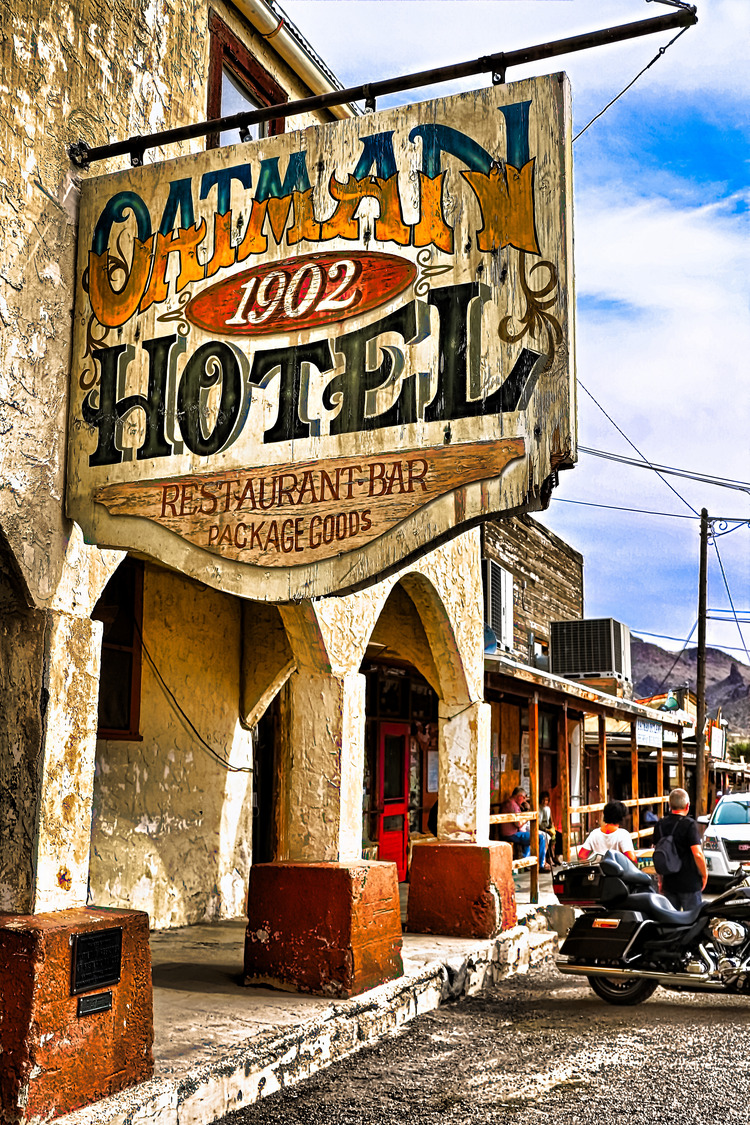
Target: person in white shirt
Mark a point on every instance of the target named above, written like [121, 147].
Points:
[611, 837]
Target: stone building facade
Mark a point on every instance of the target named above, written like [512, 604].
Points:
[151, 810]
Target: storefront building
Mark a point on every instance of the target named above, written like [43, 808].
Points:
[197, 683]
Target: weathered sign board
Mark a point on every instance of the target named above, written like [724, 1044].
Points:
[300, 361]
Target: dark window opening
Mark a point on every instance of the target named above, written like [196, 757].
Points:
[237, 82]
[120, 609]
[265, 783]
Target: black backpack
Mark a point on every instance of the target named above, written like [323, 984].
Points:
[668, 856]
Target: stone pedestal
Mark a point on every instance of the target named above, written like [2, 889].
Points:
[329, 928]
[461, 889]
[57, 1052]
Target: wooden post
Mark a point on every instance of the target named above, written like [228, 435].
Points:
[680, 761]
[634, 777]
[701, 773]
[534, 792]
[660, 775]
[602, 761]
[563, 778]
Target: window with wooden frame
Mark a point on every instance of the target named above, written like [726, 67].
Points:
[238, 82]
[120, 609]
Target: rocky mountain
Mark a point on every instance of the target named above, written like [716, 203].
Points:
[727, 680]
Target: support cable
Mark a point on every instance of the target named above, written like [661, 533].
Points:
[656, 58]
[642, 456]
[676, 661]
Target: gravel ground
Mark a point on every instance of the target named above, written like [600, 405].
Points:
[539, 1048]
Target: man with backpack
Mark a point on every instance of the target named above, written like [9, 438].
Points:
[678, 855]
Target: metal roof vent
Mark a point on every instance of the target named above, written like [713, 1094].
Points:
[594, 647]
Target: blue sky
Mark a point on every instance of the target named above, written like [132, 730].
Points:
[662, 230]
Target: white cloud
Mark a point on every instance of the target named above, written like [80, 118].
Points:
[367, 39]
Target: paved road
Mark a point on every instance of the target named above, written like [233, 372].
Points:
[539, 1049]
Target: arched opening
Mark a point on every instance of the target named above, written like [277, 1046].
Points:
[412, 663]
[14, 593]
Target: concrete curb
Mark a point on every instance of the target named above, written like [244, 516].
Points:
[266, 1063]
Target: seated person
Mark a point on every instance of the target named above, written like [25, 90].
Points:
[547, 827]
[516, 833]
[611, 837]
[648, 816]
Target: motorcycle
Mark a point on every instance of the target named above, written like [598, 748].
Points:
[630, 939]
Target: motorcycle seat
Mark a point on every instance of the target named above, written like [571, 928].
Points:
[660, 909]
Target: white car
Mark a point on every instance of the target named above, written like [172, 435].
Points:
[726, 841]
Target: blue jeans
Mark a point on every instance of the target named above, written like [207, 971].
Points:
[524, 839]
[684, 900]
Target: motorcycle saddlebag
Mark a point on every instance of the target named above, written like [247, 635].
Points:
[578, 886]
[606, 937]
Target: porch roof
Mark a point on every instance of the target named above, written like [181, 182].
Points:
[504, 674]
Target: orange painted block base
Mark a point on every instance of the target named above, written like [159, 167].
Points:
[329, 928]
[53, 1059]
[463, 890]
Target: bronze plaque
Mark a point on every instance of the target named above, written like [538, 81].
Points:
[97, 960]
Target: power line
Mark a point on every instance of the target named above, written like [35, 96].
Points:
[682, 641]
[620, 508]
[729, 595]
[704, 478]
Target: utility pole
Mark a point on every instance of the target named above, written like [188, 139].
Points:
[701, 776]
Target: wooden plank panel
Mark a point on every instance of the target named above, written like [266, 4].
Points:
[371, 290]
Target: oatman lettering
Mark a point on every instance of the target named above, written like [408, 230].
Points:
[217, 363]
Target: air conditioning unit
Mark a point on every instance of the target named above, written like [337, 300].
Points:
[498, 603]
[597, 647]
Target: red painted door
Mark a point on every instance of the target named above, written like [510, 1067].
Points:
[393, 771]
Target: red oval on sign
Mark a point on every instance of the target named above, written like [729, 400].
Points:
[300, 293]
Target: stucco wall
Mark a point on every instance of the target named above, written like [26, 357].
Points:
[172, 827]
[95, 71]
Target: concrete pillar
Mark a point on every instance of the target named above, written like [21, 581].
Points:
[462, 884]
[323, 747]
[52, 1060]
[49, 686]
[320, 918]
[464, 772]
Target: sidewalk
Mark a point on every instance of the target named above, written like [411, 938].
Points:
[219, 1046]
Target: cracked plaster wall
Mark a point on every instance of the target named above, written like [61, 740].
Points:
[48, 716]
[97, 70]
[103, 71]
[172, 828]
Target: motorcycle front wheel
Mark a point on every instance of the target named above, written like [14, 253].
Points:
[621, 990]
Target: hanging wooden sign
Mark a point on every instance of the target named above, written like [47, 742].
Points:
[301, 361]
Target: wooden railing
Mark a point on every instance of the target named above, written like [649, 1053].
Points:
[517, 818]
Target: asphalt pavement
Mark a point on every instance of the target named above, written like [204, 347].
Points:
[539, 1048]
